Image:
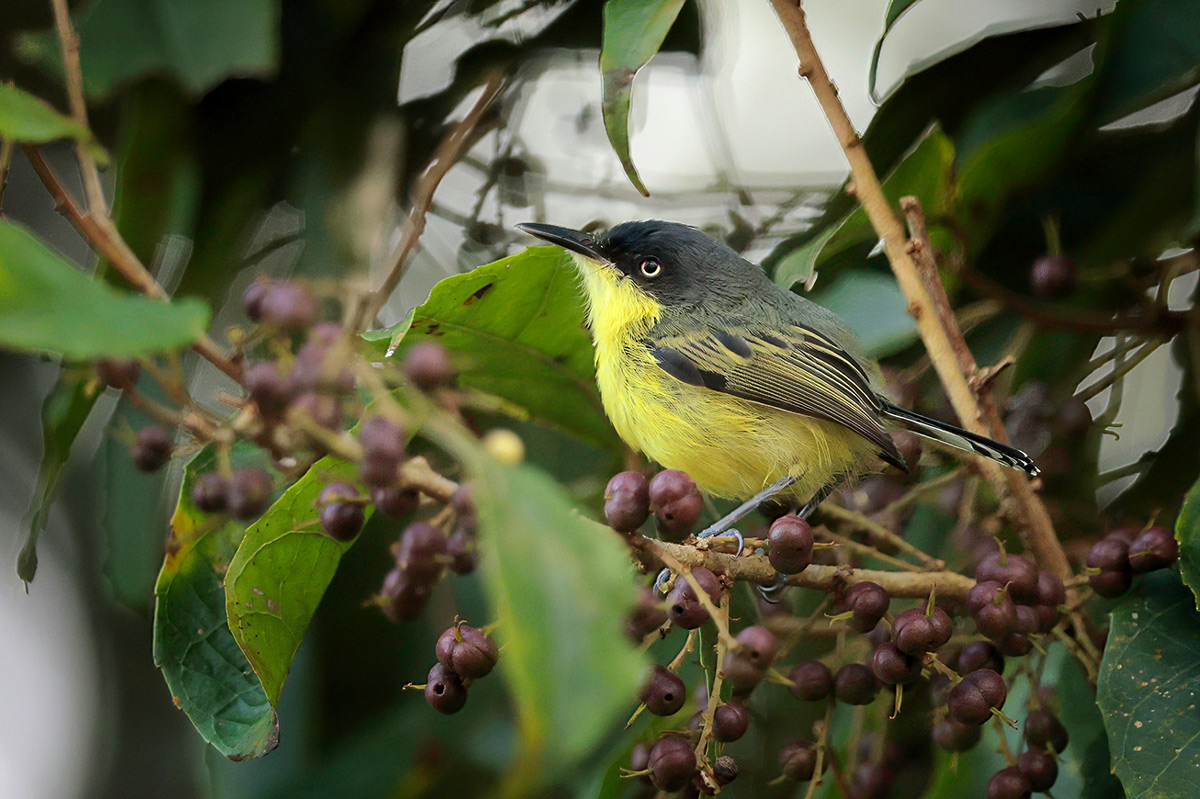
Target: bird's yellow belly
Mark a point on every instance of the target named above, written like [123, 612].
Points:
[731, 447]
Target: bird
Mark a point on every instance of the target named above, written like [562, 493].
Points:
[706, 365]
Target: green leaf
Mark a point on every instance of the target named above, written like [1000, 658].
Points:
[209, 677]
[872, 304]
[25, 119]
[64, 411]
[560, 613]
[516, 330]
[1155, 53]
[48, 306]
[280, 572]
[1187, 532]
[633, 32]
[1147, 689]
[896, 9]
[197, 42]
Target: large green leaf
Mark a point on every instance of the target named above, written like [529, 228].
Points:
[64, 411]
[46, 305]
[209, 677]
[896, 9]
[197, 42]
[1187, 531]
[1155, 52]
[516, 330]
[280, 572]
[27, 120]
[633, 32]
[1147, 689]
[570, 668]
[874, 307]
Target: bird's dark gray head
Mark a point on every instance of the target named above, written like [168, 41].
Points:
[674, 263]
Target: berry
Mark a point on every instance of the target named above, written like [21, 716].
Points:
[1019, 574]
[758, 646]
[270, 389]
[872, 781]
[627, 501]
[639, 760]
[683, 606]
[1027, 620]
[1111, 584]
[954, 736]
[1154, 549]
[676, 502]
[972, 700]
[1040, 768]
[210, 493]
[725, 769]
[790, 545]
[1109, 554]
[1008, 783]
[868, 602]
[403, 597]
[741, 674]
[811, 681]
[1050, 590]
[444, 690]
[1042, 727]
[980, 655]
[421, 546]
[798, 761]
[427, 365]
[664, 693]
[910, 446]
[993, 610]
[460, 548]
[464, 508]
[647, 617]
[151, 448]
[249, 493]
[855, 684]
[468, 652]
[324, 410]
[341, 516]
[253, 297]
[118, 374]
[1015, 645]
[289, 306]
[1053, 276]
[730, 722]
[894, 667]
[394, 501]
[319, 367]
[672, 763]
[383, 449]
[916, 633]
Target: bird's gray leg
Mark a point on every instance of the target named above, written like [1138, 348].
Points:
[748, 507]
[770, 593]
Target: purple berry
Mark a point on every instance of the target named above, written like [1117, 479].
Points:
[790, 542]
[444, 690]
[1154, 549]
[627, 501]
[664, 693]
[676, 502]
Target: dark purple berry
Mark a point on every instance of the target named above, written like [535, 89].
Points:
[289, 306]
[249, 493]
[1027, 620]
[1050, 590]
[790, 543]
[672, 763]
[325, 411]
[427, 365]
[1053, 276]
[383, 449]
[421, 547]
[444, 690]
[1111, 584]
[684, 607]
[894, 667]
[1014, 645]
[974, 698]
[954, 736]
[725, 769]
[394, 501]
[758, 646]
[993, 610]
[855, 684]
[811, 681]
[1154, 549]
[664, 693]
[676, 502]
[1109, 554]
[730, 722]
[321, 368]
[151, 448]
[464, 508]
[118, 374]
[468, 652]
[341, 515]
[1014, 571]
[627, 501]
[252, 299]
[1043, 728]
[872, 781]
[980, 655]
[798, 761]
[210, 493]
[916, 633]
[1040, 768]
[639, 760]
[868, 602]
[649, 615]
[1008, 783]
[403, 597]
[269, 388]
[460, 548]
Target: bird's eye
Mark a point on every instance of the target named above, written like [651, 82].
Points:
[651, 267]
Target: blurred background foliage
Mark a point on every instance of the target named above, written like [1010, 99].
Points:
[257, 136]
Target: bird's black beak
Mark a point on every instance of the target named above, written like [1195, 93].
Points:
[573, 240]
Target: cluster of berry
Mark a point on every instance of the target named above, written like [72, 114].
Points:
[464, 654]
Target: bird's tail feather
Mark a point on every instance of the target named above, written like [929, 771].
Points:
[961, 439]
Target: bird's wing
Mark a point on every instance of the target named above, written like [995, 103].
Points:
[793, 368]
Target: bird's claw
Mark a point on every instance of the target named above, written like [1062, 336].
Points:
[712, 532]
[662, 578]
[773, 593]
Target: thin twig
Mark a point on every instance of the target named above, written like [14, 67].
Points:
[869, 525]
[1122, 369]
[714, 696]
[444, 158]
[68, 40]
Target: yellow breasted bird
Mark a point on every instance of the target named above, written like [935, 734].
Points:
[706, 365]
